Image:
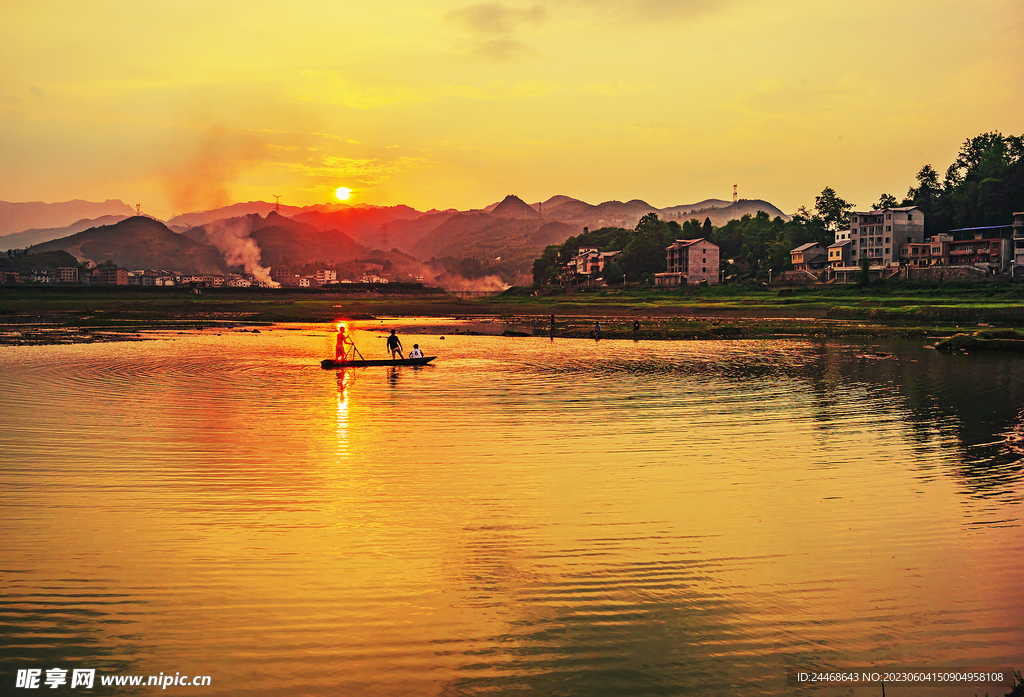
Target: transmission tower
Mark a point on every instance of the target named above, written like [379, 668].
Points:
[138, 209]
[384, 237]
[734, 199]
[277, 203]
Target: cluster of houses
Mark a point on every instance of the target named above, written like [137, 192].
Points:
[372, 273]
[689, 261]
[891, 239]
[115, 276]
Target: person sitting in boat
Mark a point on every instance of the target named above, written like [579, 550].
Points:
[395, 346]
[340, 350]
[415, 353]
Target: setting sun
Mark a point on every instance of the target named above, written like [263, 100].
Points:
[342, 193]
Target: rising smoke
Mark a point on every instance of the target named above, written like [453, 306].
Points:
[484, 284]
[232, 237]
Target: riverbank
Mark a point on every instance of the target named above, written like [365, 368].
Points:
[86, 315]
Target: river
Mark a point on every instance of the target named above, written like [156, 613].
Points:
[522, 517]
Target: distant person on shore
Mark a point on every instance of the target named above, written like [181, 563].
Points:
[395, 346]
[597, 330]
[415, 353]
[340, 350]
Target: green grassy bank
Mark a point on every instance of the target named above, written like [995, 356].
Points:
[70, 313]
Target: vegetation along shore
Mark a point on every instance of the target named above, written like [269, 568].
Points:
[55, 315]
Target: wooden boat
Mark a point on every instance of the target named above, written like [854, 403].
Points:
[329, 363]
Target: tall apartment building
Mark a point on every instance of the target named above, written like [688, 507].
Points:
[879, 234]
[111, 276]
[690, 261]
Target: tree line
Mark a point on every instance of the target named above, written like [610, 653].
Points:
[983, 186]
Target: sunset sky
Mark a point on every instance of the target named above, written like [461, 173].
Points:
[189, 105]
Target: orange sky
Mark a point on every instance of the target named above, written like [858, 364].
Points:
[188, 105]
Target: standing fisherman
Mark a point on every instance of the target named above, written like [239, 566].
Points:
[339, 346]
[395, 346]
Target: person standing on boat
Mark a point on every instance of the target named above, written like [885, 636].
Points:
[415, 353]
[340, 352]
[395, 346]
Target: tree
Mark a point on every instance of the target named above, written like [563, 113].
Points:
[648, 222]
[886, 201]
[865, 271]
[833, 210]
[707, 230]
[613, 273]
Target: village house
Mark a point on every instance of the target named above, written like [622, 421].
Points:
[325, 276]
[67, 274]
[590, 261]
[840, 254]
[1018, 239]
[689, 262]
[988, 248]
[808, 257]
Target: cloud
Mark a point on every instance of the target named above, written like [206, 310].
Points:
[647, 10]
[494, 26]
[494, 19]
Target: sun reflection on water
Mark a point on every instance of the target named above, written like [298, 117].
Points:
[344, 378]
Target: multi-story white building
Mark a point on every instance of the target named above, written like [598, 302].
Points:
[326, 276]
[690, 261]
[879, 234]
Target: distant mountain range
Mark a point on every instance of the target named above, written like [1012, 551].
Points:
[140, 243]
[27, 238]
[18, 217]
[180, 223]
[257, 234]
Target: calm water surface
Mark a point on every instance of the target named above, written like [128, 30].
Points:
[524, 517]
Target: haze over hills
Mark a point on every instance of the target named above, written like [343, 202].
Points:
[17, 217]
[510, 231]
[237, 210]
[139, 243]
[27, 238]
[252, 241]
[370, 226]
